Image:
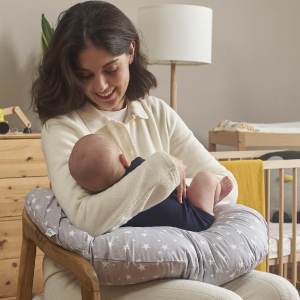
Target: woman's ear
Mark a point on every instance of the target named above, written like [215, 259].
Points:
[124, 161]
[131, 51]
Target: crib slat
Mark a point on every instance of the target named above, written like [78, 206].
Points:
[281, 218]
[285, 270]
[294, 258]
[277, 164]
[244, 154]
[267, 203]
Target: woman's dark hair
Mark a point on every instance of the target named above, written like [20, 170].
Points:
[57, 90]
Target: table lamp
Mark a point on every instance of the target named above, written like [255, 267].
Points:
[176, 34]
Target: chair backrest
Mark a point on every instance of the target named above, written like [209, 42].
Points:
[32, 237]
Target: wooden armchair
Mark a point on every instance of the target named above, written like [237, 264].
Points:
[32, 237]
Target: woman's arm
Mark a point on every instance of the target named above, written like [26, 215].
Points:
[146, 186]
[184, 145]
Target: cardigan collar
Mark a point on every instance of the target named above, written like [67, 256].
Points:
[95, 120]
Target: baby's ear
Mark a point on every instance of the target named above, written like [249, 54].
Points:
[124, 161]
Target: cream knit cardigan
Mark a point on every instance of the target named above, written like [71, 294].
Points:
[151, 130]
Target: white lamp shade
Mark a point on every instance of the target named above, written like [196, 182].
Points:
[176, 33]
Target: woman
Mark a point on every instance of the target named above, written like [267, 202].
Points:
[93, 79]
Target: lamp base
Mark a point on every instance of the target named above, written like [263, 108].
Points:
[173, 86]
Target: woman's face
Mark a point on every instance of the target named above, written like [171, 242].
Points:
[104, 77]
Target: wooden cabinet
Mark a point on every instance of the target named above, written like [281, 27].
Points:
[22, 169]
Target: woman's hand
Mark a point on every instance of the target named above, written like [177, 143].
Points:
[181, 189]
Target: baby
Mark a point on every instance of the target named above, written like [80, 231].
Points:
[96, 163]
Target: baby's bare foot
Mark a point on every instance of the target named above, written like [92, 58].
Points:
[226, 187]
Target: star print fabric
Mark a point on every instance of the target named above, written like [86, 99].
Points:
[234, 245]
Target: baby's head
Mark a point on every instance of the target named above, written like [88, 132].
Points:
[96, 163]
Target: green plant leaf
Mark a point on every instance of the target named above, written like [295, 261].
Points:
[43, 44]
[47, 33]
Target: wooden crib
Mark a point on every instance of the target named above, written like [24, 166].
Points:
[281, 262]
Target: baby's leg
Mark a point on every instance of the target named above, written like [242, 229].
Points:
[226, 186]
[201, 192]
[206, 191]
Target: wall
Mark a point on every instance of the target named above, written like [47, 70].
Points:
[254, 75]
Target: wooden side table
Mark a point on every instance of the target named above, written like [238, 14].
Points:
[22, 168]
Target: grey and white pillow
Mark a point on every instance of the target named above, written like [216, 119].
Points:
[235, 244]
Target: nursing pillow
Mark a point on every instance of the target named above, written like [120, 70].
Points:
[235, 244]
[288, 186]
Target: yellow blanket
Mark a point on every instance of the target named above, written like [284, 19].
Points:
[249, 175]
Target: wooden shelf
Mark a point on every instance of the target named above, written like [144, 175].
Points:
[33, 135]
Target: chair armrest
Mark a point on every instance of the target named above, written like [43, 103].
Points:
[77, 264]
